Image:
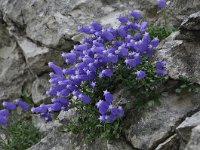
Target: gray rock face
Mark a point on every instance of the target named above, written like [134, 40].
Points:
[172, 143]
[43, 126]
[69, 141]
[182, 57]
[184, 130]
[12, 66]
[181, 9]
[39, 88]
[54, 23]
[194, 143]
[192, 23]
[155, 125]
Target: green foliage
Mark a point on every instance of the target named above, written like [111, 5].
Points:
[160, 31]
[185, 86]
[20, 134]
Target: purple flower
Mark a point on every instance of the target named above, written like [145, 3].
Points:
[69, 57]
[140, 74]
[122, 51]
[61, 100]
[108, 96]
[9, 105]
[102, 106]
[155, 42]
[102, 118]
[160, 64]
[56, 69]
[85, 29]
[55, 107]
[143, 26]
[111, 117]
[161, 3]
[107, 72]
[86, 99]
[96, 26]
[4, 112]
[131, 62]
[3, 120]
[107, 36]
[93, 84]
[25, 106]
[136, 14]
[123, 19]
[121, 31]
[112, 58]
[40, 109]
[160, 71]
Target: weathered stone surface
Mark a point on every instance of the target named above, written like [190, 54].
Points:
[182, 57]
[36, 57]
[192, 23]
[43, 126]
[13, 69]
[172, 143]
[69, 141]
[181, 9]
[159, 122]
[52, 22]
[39, 88]
[194, 143]
[69, 115]
[184, 130]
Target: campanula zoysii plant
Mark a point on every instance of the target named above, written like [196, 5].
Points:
[103, 60]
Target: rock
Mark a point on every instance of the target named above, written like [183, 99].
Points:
[42, 125]
[192, 23]
[13, 69]
[182, 57]
[68, 141]
[69, 115]
[185, 128]
[39, 88]
[194, 143]
[181, 9]
[145, 130]
[36, 57]
[172, 143]
[53, 23]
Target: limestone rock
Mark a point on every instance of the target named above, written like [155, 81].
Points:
[149, 128]
[39, 88]
[172, 143]
[13, 68]
[53, 23]
[194, 143]
[185, 128]
[192, 23]
[68, 141]
[69, 115]
[42, 125]
[182, 57]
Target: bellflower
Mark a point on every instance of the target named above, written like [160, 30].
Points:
[25, 106]
[140, 74]
[136, 14]
[9, 105]
[161, 3]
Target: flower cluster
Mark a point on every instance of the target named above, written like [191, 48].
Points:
[9, 106]
[98, 57]
[105, 106]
